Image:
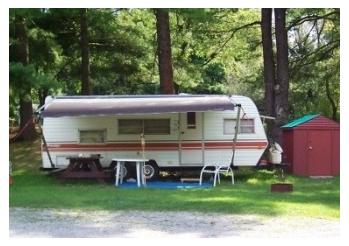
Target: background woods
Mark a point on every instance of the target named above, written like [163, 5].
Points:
[287, 60]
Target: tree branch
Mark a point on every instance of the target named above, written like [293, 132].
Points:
[330, 99]
[301, 20]
[335, 44]
[234, 31]
[320, 51]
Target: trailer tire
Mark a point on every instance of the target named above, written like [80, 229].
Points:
[151, 170]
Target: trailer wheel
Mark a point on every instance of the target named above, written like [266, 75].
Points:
[151, 170]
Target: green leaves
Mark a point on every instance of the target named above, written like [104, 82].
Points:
[314, 61]
[22, 77]
[213, 51]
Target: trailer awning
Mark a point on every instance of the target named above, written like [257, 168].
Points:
[126, 105]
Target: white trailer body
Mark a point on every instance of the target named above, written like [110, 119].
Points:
[172, 139]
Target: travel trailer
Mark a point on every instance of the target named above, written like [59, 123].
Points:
[179, 131]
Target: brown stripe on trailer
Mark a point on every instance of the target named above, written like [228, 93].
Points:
[156, 146]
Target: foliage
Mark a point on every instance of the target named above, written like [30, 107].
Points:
[314, 49]
[213, 51]
[27, 77]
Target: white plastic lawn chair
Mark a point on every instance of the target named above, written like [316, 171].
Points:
[225, 169]
[216, 170]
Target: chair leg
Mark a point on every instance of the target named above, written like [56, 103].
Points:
[121, 173]
[201, 173]
[232, 176]
[144, 181]
[215, 178]
[117, 174]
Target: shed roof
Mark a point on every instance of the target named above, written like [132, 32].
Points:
[300, 121]
[121, 105]
[311, 122]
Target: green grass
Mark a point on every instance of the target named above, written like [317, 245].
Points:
[250, 194]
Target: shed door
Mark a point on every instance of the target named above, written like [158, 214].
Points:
[319, 153]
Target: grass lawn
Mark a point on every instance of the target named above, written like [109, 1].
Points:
[250, 194]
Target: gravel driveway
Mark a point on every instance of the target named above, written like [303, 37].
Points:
[75, 223]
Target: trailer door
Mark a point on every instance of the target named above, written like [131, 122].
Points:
[191, 139]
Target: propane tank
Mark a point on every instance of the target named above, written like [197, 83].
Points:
[275, 153]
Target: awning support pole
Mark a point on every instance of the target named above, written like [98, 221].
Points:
[237, 128]
[37, 113]
[45, 144]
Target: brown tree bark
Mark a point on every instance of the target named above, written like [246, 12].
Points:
[164, 51]
[269, 65]
[85, 54]
[25, 100]
[42, 94]
[330, 98]
[282, 73]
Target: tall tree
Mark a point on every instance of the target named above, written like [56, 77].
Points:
[25, 100]
[282, 72]
[276, 88]
[314, 58]
[164, 51]
[212, 51]
[268, 62]
[85, 54]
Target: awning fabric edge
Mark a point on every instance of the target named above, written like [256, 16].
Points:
[69, 107]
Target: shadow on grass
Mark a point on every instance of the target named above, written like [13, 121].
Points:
[26, 156]
[41, 191]
[250, 195]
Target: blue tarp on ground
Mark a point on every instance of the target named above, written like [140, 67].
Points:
[167, 185]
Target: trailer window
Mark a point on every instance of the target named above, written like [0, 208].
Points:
[191, 120]
[146, 126]
[157, 126]
[130, 126]
[92, 136]
[246, 126]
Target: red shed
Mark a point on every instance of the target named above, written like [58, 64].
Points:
[311, 146]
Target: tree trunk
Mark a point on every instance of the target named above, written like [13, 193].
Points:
[269, 65]
[43, 93]
[85, 54]
[25, 100]
[164, 52]
[282, 73]
[332, 102]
